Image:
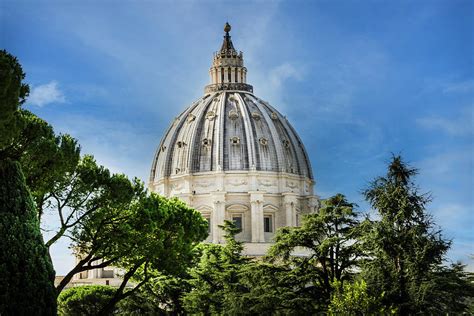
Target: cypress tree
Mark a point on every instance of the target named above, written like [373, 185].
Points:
[26, 272]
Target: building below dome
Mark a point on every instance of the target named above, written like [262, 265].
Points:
[232, 156]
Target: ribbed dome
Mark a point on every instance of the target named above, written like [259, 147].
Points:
[230, 131]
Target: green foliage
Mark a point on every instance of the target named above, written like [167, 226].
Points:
[447, 290]
[160, 296]
[46, 158]
[329, 238]
[89, 188]
[269, 289]
[151, 240]
[154, 235]
[353, 299]
[26, 272]
[86, 192]
[225, 282]
[85, 300]
[216, 276]
[404, 251]
[12, 94]
[163, 233]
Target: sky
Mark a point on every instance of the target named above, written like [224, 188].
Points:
[359, 81]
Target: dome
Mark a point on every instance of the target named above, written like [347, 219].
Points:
[230, 130]
[232, 156]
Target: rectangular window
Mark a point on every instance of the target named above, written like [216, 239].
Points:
[208, 219]
[267, 224]
[237, 219]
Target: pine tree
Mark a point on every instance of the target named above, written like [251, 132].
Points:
[405, 252]
[215, 279]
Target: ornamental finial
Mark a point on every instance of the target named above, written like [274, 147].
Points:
[228, 71]
[227, 27]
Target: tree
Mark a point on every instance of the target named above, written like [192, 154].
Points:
[269, 289]
[88, 200]
[448, 290]
[155, 235]
[85, 300]
[79, 198]
[160, 296]
[353, 299]
[13, 93]
[216, 277]
[47, 159]
[26, 272]
[329, 238]
[404, 250]
[153, 238]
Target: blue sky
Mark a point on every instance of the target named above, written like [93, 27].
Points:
[359, 80]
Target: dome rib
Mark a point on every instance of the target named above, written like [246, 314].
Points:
[250, 141]
[219, 133]
[274, 134]
[196, 147]
[305, 154]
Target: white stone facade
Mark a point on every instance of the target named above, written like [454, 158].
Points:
[263, 200]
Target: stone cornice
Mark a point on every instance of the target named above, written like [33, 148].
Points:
[228, 86]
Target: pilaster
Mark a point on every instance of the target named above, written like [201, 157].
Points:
[290, 201]
[256, 203]
[218, 215]
[313, 204]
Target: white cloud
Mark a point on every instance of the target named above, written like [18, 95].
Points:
[46, 94]
[453, 215]
[270, 82]
[440, 170]
[283, 72]
[459, 126]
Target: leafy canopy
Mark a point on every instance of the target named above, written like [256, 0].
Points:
[85, 300]
[329, 240]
